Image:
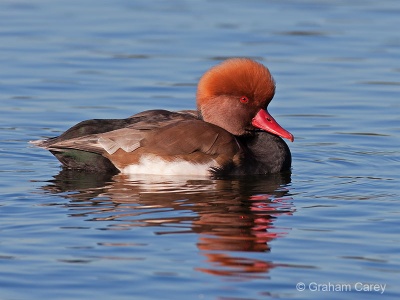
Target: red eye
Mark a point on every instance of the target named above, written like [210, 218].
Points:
[244, 99]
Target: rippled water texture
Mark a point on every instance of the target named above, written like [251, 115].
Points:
[330, 228]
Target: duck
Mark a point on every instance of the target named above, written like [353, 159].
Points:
[230, 133]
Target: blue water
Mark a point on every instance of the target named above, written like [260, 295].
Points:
[331, 228]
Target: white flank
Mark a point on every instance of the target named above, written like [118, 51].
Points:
[157, 166]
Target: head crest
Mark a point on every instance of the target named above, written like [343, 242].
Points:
[237, 77]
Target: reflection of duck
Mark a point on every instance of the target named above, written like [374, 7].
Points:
[227, 215]
[219, 138]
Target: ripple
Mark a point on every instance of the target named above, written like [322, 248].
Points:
[131, 56]
[363, 133]
[380, 82]
[304, 33]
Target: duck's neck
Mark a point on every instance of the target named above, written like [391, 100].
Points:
[200, 115]
[264, 153]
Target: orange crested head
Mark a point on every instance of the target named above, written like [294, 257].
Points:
[237, 77]
[231, 94]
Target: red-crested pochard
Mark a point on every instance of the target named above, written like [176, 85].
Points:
[222, 137]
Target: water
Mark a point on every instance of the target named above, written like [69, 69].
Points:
[332, 225]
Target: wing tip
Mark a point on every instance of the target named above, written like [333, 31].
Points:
[39, 143]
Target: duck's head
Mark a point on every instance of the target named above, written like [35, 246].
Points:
[235, 94]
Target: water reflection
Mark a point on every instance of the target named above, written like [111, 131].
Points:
[231, 217]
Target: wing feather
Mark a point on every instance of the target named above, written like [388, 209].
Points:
[126, 139]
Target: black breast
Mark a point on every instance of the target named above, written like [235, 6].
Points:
[264, 153]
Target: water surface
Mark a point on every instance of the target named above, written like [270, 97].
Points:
[333, 220]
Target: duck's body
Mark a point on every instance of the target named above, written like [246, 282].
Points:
[160, 141]
[203, 142]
